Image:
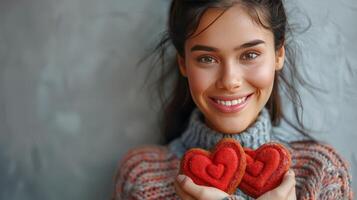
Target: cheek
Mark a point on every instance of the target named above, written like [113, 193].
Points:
[199, 80]
[262, 78]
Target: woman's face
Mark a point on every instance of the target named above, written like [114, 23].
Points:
[230, 68]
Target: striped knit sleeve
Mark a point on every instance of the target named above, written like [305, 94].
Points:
[146, 173]
[320, 172]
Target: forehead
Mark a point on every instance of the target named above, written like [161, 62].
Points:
[233, 27]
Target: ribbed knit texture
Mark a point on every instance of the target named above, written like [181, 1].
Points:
[199, 135]
[149, 172]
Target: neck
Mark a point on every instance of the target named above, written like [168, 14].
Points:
[199, 135]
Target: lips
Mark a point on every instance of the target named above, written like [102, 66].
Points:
[230, 104]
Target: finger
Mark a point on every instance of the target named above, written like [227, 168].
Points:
[292, 194]
[183, 195]
[188, 186]
[288, 182]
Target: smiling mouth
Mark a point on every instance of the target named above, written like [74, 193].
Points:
[231, 102]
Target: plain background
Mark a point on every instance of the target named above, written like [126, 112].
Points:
[71, 97]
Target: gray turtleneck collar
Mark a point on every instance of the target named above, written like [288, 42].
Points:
[199, 135]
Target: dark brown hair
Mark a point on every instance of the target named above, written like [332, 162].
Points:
[173, 89]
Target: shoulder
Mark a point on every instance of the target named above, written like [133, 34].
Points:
[321, 172]
[149, 153]
[318, 154]
[320, 151]
[143, 168]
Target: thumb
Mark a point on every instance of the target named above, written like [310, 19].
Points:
[189, 186]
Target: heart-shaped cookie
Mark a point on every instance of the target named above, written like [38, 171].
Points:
[265, 169]
[222, 168]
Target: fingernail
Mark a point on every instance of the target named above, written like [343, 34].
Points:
[180, 178]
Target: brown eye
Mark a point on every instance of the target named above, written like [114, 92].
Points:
[250, 56]
[207, 59]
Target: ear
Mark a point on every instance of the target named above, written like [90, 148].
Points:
[279, 58]
[182, 64]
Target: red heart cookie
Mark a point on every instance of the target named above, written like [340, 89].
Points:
[223, 168]
[265, 169]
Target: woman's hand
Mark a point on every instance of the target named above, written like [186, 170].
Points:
[186, 189]
[285, 191]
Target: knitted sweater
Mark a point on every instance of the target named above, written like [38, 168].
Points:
[149, 172]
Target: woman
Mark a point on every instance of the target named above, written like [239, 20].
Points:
[232, 57]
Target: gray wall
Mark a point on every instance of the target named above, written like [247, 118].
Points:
[71, 101]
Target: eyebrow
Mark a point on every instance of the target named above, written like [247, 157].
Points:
[243, 46]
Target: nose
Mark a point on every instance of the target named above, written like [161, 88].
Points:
[231, 77]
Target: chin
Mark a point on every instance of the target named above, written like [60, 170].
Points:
[227, 126]
[233, 131]
[230, 130]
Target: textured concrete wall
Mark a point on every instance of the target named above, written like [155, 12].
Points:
[71, 101]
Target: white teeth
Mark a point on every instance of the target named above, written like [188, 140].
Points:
[233, 102]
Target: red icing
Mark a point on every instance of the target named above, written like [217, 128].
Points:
[223, 168]
[265, 169]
